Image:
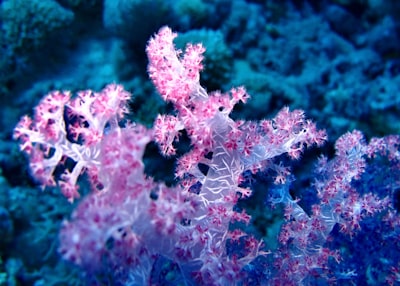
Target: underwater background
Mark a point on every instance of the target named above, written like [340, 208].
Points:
[339, 61]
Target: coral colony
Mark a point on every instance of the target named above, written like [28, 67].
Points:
[133, 230]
